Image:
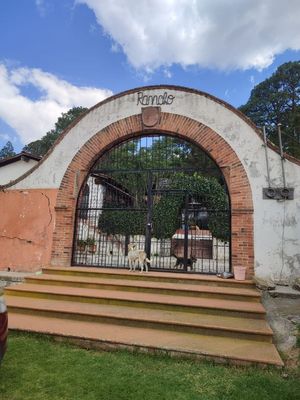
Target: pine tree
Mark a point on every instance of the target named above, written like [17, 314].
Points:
[277, 100]
[7, 151]
[41, 146]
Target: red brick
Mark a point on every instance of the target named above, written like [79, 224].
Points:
[179, 126]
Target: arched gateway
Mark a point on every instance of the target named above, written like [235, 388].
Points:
[137, 167]
[236, 248]
[161, 194]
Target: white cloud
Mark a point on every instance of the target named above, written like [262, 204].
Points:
[226, 34]
[167, 73]
[41, 6]
[31, 119]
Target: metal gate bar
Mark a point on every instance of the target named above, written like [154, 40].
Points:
[118, 206]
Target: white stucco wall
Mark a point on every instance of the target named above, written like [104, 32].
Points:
[12, 171]
[276, 224]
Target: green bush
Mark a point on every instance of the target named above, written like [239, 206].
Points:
[122, 222]
[168, 207]
[90, 241]
[207, 191]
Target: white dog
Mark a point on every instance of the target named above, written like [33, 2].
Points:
[137, 256]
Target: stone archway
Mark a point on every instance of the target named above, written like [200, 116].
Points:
[172, 124]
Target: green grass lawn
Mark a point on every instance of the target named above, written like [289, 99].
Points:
[37, 367]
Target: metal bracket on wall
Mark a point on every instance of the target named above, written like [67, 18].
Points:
[278, 193]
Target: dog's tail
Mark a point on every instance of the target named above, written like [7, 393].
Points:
[148, 261]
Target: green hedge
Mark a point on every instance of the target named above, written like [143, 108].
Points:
[168, 206]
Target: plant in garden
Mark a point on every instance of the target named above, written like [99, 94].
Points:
[81, 244]
[122, 222]
[168, 207]
[91, 243]
[205, 190]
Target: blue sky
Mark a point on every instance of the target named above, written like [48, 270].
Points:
[55, 54]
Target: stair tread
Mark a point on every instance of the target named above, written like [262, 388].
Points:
[149, 284]
[186, 301]
[193, 278]
[246, 325]
[224, 347]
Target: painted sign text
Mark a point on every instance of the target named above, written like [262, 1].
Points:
[154, 100]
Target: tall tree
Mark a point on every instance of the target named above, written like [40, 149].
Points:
[7, 151]
[277, 100]
[41, 146]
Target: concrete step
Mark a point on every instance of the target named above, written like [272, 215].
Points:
[104, 335]
[246, 328]
[145, 286]
[138, 299]
[115, 273]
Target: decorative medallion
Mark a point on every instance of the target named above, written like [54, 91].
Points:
[150, 116]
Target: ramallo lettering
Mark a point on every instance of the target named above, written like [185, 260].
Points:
[154, 100]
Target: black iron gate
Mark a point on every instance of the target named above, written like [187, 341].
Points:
[169, 206]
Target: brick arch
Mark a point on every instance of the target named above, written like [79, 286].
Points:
[185, 128]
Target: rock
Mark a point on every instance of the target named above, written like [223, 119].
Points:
[283, 282]
[296, 284]
[285, 292]
[263, 284]
[280, 313]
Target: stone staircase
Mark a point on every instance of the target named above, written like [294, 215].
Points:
[197, 315]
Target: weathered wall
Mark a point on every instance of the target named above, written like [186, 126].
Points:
[26, 228]
[12, 171]
[276, 224]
